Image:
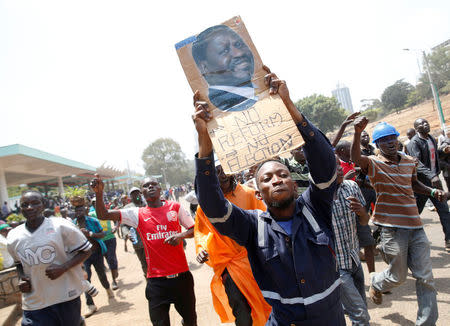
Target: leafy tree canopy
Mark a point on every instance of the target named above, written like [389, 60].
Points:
[165, 157]
[396, 95]
[325, 112]
[439, 61]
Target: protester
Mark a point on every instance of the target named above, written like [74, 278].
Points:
[347, 209]
[299, 169]
[290, 245]
[404, 243]
[111, 243]
[233, 284]
[111, 257]
[91, 228]
[125, 229]
[424, 148]
[133, 235]
[48, 212]
[342, 150]
[410, 133]
[365, 237]
[48, 253]
[169, 279]
[5, 210]
[191, 198]
[444, 157]
[65, 214]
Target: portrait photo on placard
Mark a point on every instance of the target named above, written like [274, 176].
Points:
[227, 62]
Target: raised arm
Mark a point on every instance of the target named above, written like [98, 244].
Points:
[360, 160]
[100, 208]
[227, 218]
[344, 125]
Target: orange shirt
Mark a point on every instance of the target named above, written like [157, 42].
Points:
[226, 253]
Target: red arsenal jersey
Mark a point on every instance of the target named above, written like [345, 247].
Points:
[154, 226]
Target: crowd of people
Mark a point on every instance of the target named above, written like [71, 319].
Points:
[284, 239]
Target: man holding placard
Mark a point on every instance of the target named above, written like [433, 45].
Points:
[290, 245]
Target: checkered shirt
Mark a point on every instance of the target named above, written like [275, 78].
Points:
[344, 224]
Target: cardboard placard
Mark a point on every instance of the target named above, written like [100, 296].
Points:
[249, 125]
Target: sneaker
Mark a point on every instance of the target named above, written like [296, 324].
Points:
[447, 245]
[110, 293]
[115, 286]
[374, 295]
[91, 309]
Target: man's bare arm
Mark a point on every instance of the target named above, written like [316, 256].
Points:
[420, 188]
[344, 125]
[360, 160]
[100, 208]
[55, 270]
[201, 117]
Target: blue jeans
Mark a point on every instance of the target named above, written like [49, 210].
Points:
[353, 295]
[442, 210]
[403, 249]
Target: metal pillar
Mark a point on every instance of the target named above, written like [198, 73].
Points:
[60, 187]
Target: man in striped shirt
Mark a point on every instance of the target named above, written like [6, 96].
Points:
[404, 243]
[348, 207]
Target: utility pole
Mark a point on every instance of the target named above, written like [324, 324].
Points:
[435, 93]
[434, 90]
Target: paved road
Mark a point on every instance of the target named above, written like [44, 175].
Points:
[129, 308]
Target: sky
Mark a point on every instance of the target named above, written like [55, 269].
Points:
[98, 81]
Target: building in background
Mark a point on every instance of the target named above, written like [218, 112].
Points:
[342, 94]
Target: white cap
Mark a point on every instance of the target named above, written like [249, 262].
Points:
[133, 189]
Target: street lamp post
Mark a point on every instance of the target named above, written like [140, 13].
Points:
[434, 90]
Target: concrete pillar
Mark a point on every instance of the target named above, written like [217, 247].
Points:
[3, 188]
[60, 187]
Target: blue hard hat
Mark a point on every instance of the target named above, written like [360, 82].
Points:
[383, 129]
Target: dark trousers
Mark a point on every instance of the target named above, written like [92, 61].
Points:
[238, 303]
[111, 257]
[95, 259]
[61, 314]
[161, 292]
[442, 210]
[140, 253]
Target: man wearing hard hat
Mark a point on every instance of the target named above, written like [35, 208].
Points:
[404, 243]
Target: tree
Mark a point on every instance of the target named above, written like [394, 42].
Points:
[164, 157]
[325, 112]
[396, 95]
[439, 61]
[414, 98]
